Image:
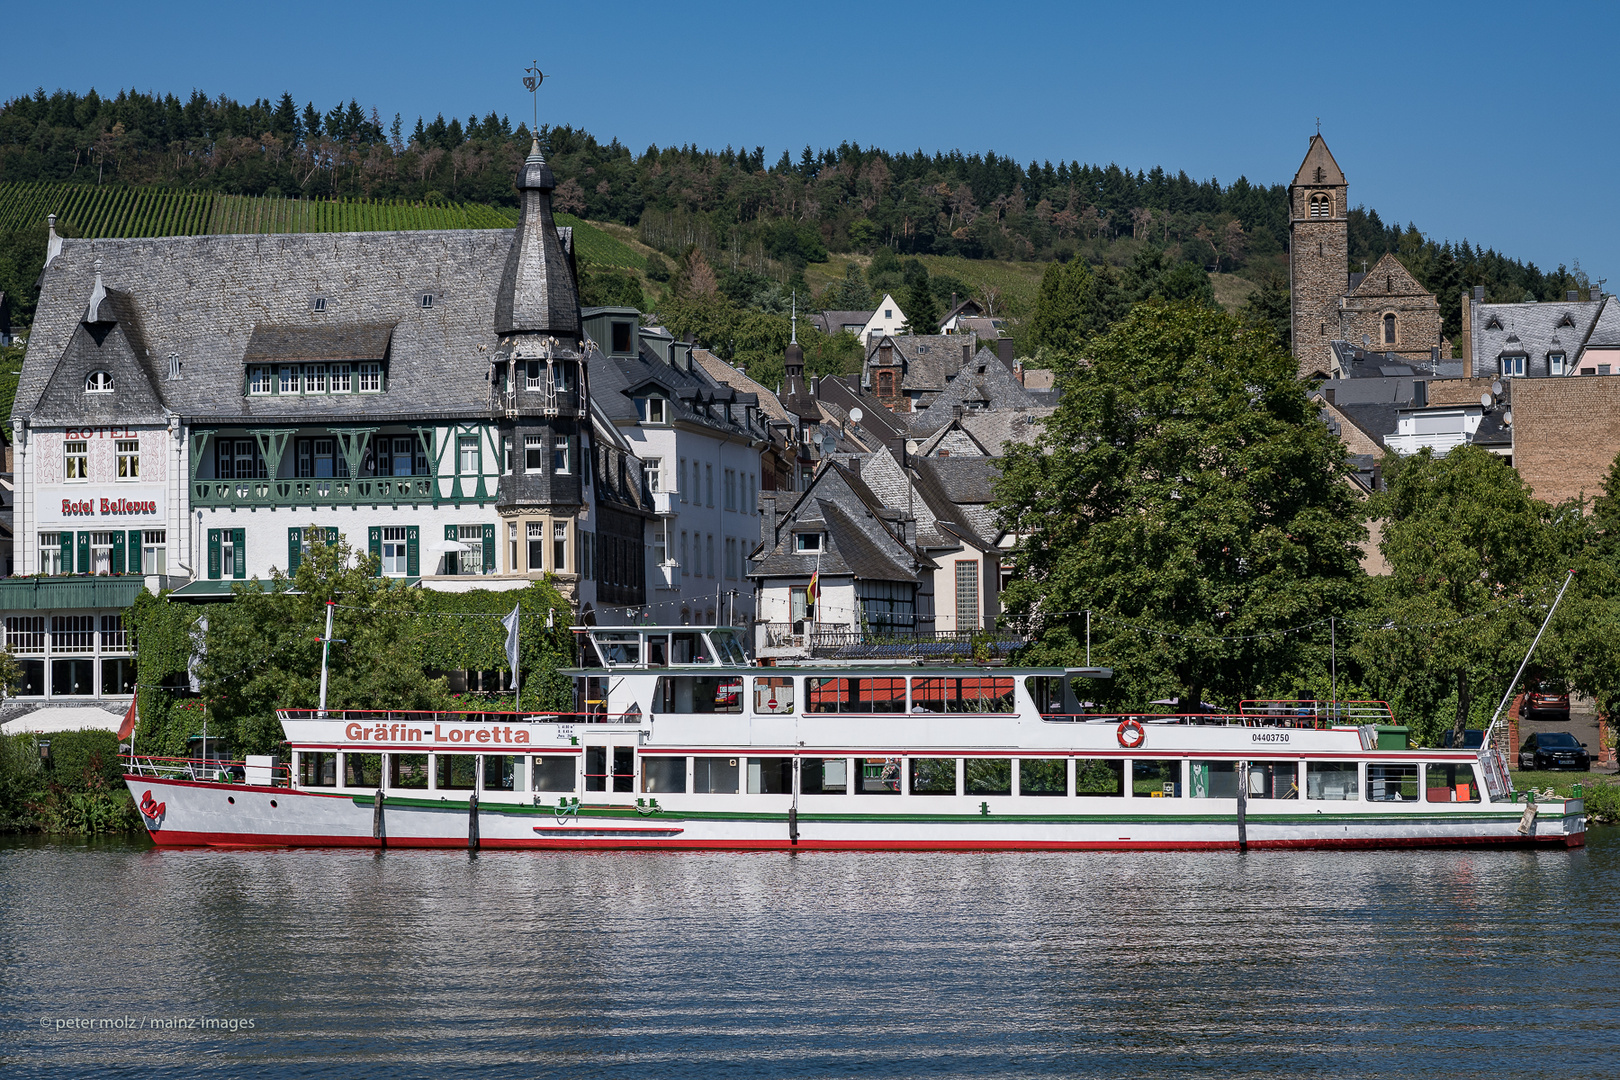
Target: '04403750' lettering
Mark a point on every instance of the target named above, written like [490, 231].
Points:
[1269, 736]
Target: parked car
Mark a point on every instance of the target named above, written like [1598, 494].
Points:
[1472, 739]
[1546, 703]
[1554, 750]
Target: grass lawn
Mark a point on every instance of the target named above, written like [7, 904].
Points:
[1561, 781]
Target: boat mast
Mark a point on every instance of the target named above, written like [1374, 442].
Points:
[1490, 729]
[326, 648]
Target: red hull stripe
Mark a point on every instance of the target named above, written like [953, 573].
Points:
[172, 838]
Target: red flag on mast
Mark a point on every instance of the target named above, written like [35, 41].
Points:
[127, 728]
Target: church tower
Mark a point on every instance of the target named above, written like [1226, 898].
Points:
[1318, 255]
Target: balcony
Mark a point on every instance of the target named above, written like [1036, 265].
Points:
[319, 491]
[667, 575]
[664, 503]
[831, 641]
[1440, 442]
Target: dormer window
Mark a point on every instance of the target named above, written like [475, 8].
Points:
[652, 410]
[317, 304]
[427, 301]
[99, 382]
[1493, 323]
[807, 541]
[1555, 363]
[621, 337]
[1512, 365]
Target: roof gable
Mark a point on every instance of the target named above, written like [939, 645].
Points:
[1388, 277]
[113, 344]
[1319, 157]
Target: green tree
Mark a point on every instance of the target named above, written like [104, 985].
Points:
[850, 294]
[1472, 556]
[1185, 491]
[1066, 310]
[920, 305]
[1269, 306]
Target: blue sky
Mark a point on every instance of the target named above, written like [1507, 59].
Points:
[1479, 119]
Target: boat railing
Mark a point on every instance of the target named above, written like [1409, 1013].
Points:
[1213, 719]
[212, 770]
[1335, 712]
[443, 716]
[907, 643]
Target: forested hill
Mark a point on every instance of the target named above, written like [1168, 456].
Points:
[742, 211]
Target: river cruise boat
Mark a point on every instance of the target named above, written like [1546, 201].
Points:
[678, 742]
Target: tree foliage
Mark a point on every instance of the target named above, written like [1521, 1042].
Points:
[1187, 493]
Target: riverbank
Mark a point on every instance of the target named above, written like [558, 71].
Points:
[67, 783]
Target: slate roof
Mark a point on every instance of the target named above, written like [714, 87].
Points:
[333, 341]
[115, 343]
[833, 322]
[927, 361]
[1541, 328]
[538, 294]
[200, 299]
[693, 396]
[722, 372]
[983, 383]
[858, 542]
[995, 429]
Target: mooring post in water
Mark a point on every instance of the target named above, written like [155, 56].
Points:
[379, 827]
[472, 825]
[1243, 806]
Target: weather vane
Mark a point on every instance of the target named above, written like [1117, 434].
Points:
[532, 79]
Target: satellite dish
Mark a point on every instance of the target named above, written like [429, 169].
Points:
[1486, 401]
[912, 446]
[855, 415]
[828, 444]
[1496, 386]
[1507, 418]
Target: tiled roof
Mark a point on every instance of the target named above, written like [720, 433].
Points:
[1541, 328]
[332, 341]
[722, 372]
[928, 361]
[833, 322]
[116, 345]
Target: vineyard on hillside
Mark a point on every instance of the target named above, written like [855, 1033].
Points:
[111, 212]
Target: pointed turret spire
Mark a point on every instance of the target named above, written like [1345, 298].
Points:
[538, 294]
[795, 317]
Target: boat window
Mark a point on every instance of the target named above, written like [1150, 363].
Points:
[1042, 776]
[933, 776]
[714, 775]
[1330, 780]
[689, 648]
[1099, 776]
[596, 768]
[500, 772]
[872, 695]
[618, 649]
[987, 776]
[773, 695]
[317, 770]
[1046, 691]
[1273, 779]
[824, 776]
[658, 650]
[727, 648]
[662, 774]
[1450, 781]
[770, 776]
[456, 771]
[880, 776]
[699, 694]
[1155, 779]
[975, 694]
[1213, 779]
[1388, 782]
[362, 770]
[553, 773]
[624, 768]
[407, 770]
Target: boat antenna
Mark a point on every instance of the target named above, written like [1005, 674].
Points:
[1490, 729]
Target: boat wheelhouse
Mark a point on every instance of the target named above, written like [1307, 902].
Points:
[677, 741]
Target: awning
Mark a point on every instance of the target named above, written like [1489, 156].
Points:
[448, 547]
[72, 718]
[208, 589]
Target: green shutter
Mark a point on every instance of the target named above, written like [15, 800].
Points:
[413, 551]
[333, 535]
[67, 555]
[135, 551]
[295, 549]
[84, 553]
[374, 535]
[239, 539]
[489, 549]
[118, 553]
[213, 555]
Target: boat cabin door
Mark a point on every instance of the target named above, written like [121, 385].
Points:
[610, 768]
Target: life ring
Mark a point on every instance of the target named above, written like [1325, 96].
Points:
[1125, 730]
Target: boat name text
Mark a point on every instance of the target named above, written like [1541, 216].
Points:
[1268, 736]
[441, 734]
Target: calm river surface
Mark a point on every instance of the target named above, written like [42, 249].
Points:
[1412, 964]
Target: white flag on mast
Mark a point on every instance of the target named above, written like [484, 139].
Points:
[511, 623]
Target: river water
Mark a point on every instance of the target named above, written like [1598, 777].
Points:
[1418, 964]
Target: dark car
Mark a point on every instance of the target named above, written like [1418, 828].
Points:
[1554, 750]
[1472, 739]
[1546, 703]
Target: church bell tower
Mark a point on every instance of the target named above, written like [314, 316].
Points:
[1318, 255]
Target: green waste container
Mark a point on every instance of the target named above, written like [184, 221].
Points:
[1393, 736]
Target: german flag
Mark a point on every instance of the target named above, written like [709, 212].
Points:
[814, 592]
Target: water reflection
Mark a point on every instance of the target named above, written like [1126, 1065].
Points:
[1273, 964]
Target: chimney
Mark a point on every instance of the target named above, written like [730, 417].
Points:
[815, 386]
[855, 467]
[1420, 394]
[1004, 350]
[910, 524]
[1573, 296]
[767, 519]
[1479, 294]
[1597, 293]
[1328, 393]
[1467, 335]
[967, 353]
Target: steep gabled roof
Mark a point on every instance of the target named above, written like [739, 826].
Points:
[109, 339]
[1388, 277]
[1318, 156]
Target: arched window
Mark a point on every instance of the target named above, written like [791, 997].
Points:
[1321, 206]
[99, 382]
[1389, 329]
